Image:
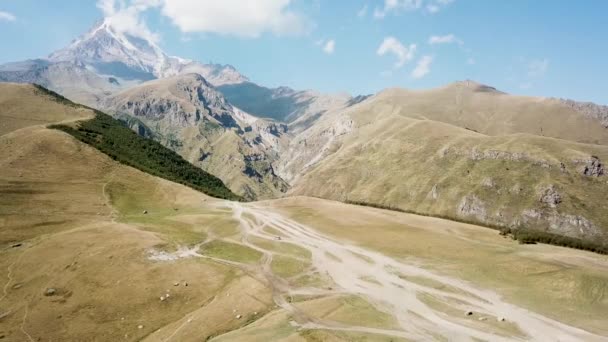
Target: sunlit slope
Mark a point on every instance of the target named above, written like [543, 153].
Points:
[77, 259]
[477, 107]
[20, 106]
[430, 167]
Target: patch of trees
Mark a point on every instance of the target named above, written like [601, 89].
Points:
[113, 138]
[530, 236]
[522, 235]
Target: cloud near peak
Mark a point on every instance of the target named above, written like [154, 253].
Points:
[236, 17]
[248, 19]
[447, 39]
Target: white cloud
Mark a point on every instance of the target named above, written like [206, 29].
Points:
[362, 12]
[447, 39]
[329, 47]
[125, 17]
[392, 45]
[471, 61]
[6, 16]
[423, 67]
[538, 67]
[397, 6]
[235, 17]
[230, 17]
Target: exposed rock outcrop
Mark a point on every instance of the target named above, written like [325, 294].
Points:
[593, 167]
[471, 205]
[549, 196]
[187, 114]
[434, 194]
[488, 182]
[558, 223]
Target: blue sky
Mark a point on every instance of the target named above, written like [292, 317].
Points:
[540, 47]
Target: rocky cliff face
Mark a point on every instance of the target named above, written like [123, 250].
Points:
[187, 114]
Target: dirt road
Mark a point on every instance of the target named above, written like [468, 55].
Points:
[396, 288]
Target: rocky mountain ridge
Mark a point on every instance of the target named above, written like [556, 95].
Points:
[187, 114]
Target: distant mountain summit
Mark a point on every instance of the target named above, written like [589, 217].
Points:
[105, 49]
[108, 51]
[104, 61]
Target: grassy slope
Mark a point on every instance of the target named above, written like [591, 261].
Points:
[113, 138]
[74, 218]
[54, 201]
[122, 144]
[393, 160]
[468, 105]
[20, 107]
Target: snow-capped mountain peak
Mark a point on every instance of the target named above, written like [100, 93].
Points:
[106, 50]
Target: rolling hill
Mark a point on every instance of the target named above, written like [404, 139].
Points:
[466, 152]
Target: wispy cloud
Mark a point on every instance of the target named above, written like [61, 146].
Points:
[6, 16]
[391, 45]
[398, 6]
[329, 47]
[447, 39]
[423, 67]
[437, 5]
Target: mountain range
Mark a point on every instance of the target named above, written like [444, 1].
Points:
[466, 151]
[146, 197]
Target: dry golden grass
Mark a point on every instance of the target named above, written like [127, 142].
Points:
[70, 220]
[396, 160]
[22, 106]
[492, 113]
